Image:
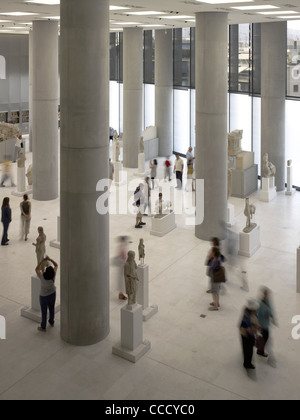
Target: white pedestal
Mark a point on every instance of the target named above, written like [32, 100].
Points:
[56, 243]
[143, 293]
[118, 179]
[34, 313]
[163, 224]
[21, 184]
[114, 151]
[268, 192]
[298, 270]
[132, 346]
[230, 215]
[142, 166]
[249, 242]
[290, 190]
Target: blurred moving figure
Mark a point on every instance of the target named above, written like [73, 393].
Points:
[7, 173]
[249, 328]
[236, 263]
[265, 316]
[120, 260]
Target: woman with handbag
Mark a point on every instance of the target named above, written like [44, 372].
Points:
[217, 275]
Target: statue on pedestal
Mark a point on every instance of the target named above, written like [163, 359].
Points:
[131, 278]
[142, 146]
[29, 175]
[249, 212]
[142, 252]
[118, 151]
[289, 163]
[40, 247]
[268, 168]
[234, 142]
[21, 160]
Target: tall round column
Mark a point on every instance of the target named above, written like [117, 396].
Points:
[273, 93]
[84, 162]
[133, 94]
[211, 122]
[30, 89]
[45, 110]
[164, 90]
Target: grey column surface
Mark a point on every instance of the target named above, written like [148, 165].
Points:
[211, 122]
[45, 110]
[164, 90]
[273, 93]
[30, 92]
[84, 162]
[133, 95]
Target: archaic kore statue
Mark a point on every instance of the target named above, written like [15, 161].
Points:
[131, 278]
[118, 151]
[249, 212]
[40, 246]
[268, 168]
[29, 175]
[21, 160]
[142, 252]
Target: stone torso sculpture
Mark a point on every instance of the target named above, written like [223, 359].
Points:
[142, 252]
[131, 278]
[118, 151]
[249, 212]
[21, 160]
[40, 246]
[29, 175]
[268, 168]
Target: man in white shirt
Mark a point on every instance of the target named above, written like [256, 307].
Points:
[178, 169]
[18, 147]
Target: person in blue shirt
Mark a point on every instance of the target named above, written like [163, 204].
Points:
[6, 220]
[265, 315]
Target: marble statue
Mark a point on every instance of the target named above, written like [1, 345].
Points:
[268, 168]
[21, 160]
[118, 151]
[249, 212]
[234, 142]
[115, 137]
[162, 207]
[40, 247]
[142, 146]
[289, 163]
[142, 252]
[229, 181]
[29, 175]
[131, 278]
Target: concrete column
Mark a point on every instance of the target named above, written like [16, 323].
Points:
[211, 122]
[84, 162]
[133, 95]
[164, 90]
[45, 110]
[273, 92]
[30, 90]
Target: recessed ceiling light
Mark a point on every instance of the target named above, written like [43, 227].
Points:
[277, 13]
[125, 23]
[153, 26]
[145, 13]
[19, 14]
[176, 17]
[290, 17]
[118, 8]
[47, 2]
[5, 21]
[225, 1]
[260, 7]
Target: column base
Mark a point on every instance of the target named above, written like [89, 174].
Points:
[55, 244]
[149, 312]
[249, 242]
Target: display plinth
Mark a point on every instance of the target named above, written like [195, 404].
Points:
[143, 293]
[290, 190]
[230, 215]
[118, 176]
[163, 224]
[34, 313]
[268, 192]
[21, 184]
[56, 243]
[132, 346]
[249, 242]
[142, 166]
[245, 182]
[298, 270]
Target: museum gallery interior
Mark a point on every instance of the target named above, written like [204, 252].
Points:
[96, 96]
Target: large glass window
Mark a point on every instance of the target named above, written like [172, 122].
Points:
[292, 135]
[149, 106]
[184, 57]
[241, 118]
[182, 120]
[149, 57]
[293, 59]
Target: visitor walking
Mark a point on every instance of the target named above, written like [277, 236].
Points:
[139, 202]
[265, 316]
[190, 168]
[214, 270]
[153, 167]
[6, 219]
[178, 169]
[48, 291]
[7, 175]
[25, 207]
[168, 170]
[249, 328]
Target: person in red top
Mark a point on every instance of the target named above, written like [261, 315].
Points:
[168, 170]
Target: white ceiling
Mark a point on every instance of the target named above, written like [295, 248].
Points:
[186, 8]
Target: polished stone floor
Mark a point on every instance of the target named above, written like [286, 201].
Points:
[195, 354]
